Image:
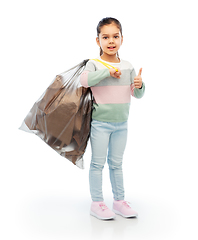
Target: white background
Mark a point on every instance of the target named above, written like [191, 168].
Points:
[44, 196]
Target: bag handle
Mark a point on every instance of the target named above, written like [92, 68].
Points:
[105, 64]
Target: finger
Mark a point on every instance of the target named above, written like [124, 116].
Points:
[137, 80]
[113, 70]
[137, 83]
[117, 75]
[140, 72]
[118, 72]
[137, 86]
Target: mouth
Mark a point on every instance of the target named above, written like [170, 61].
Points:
[111, 47]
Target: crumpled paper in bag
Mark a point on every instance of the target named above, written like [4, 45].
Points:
[62, 116]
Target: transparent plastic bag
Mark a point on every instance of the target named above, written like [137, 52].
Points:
[61, 117]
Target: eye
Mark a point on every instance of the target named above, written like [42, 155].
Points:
[116, 36]
[105, 37]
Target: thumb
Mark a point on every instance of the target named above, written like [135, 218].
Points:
[119, 72]
[140, 72]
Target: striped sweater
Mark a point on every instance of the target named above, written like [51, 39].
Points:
[112, 96]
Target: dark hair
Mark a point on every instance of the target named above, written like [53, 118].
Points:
[107, 21]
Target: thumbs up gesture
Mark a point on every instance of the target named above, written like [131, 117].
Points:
[138, 79]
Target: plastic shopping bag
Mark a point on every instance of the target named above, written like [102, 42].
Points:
[62, 115]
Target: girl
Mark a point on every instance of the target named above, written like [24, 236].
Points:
[112, 89]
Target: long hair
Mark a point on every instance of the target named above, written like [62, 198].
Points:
[107, 21]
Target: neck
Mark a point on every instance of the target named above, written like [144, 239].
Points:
[110, 58]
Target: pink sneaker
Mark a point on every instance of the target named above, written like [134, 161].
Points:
[101, 211]
[122, 208]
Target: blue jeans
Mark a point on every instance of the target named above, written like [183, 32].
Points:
[108, 140]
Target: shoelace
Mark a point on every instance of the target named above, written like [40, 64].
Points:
[103, 206]
[126, 204]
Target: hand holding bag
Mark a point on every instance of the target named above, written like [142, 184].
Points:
[61, 117]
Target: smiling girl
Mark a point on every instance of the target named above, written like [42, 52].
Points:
[112, 89]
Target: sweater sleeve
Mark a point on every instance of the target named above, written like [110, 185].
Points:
[136, 92]
[90, 76]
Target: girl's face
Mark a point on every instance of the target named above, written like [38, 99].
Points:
[110, 39]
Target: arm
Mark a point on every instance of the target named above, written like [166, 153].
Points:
[91, 77]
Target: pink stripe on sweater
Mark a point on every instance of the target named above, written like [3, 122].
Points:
[112, 94]
[84, 79]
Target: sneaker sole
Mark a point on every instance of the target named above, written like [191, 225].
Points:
[95, 215]
[126, 216]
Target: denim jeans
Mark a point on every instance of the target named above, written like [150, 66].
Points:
[108, 140]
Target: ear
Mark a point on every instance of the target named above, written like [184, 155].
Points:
[98, 41]
[121, 40]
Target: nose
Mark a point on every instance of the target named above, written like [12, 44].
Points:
[111, 40]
